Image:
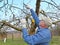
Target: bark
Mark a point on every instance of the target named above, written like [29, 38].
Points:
[38, 6]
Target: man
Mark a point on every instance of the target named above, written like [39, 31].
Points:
[42, 36]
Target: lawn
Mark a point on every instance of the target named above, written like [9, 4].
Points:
[55, 41]
[13, 42]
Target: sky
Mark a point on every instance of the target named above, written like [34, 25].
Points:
[19, 3]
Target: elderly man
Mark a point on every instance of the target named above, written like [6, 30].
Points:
[43, 35]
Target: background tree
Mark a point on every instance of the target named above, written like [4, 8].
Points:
[15, 13]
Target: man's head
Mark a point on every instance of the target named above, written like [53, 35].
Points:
[42, 24]
[45, 22]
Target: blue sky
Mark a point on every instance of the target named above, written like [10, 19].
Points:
[19, 3]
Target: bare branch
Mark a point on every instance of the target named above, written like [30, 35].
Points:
[43, 12]
[18, 8]
[12, 26]
[1, 0]
[56, 22]
[51, 4]
[3, 4]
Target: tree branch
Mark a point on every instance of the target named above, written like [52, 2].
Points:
[51, 4]
[56, 22]
[12, 26]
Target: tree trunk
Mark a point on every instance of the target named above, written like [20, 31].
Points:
[37, 6]
[33, 26]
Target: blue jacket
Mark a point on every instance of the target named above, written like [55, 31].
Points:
[42, 36]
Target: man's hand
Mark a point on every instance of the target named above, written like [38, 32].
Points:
[23, 23]
[28, 6]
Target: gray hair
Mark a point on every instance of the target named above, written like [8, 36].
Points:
[47, 20]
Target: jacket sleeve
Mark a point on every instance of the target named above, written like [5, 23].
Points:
[40, 37]
[34, 15]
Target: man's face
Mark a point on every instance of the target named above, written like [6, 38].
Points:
[42, 23]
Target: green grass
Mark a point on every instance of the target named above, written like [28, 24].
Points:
[55, 41]
[13, 42]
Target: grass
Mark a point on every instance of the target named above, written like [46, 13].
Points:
[13, 42]
[55, 41]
